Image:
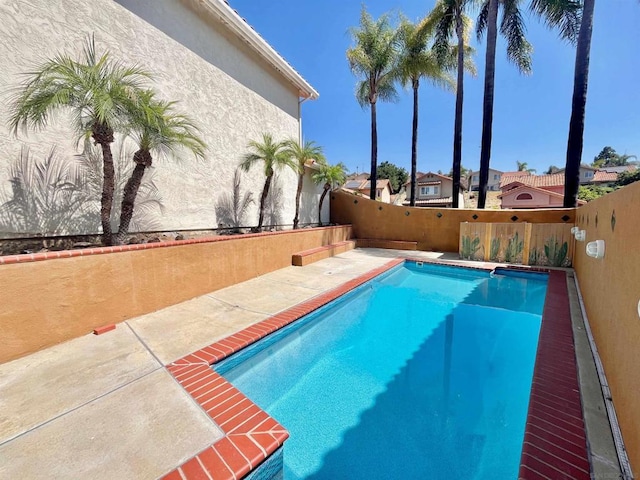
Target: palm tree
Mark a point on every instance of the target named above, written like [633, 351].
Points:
[157, 129]
[524, 167]
[418, 61]
[373, 59]
[330, 176]
[100, 94]
[451, 20]
[578, 105]
[301, 153]
[274, 156]
[563, 14]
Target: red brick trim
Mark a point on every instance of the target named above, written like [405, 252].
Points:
[555, 444]
[83, 252]
[250, 434]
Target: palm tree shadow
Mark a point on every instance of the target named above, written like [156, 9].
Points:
[273, 205]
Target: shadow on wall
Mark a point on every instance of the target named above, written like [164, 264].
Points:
[273, 204]
[308, 208]
[231, 208]
[61, 196]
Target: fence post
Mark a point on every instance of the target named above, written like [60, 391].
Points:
[527, 243]
[487, 241]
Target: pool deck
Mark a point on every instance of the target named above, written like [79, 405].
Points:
[114, 406]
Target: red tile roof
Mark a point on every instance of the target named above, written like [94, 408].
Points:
[528, 188]
[431, 201]
[553, 180]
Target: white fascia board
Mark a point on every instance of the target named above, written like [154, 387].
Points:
[230, 18]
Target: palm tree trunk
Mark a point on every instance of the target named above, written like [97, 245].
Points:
[374, 153]
[414, 143]
[327, 187]
[296, 218]
[142, 159]
[103, 136]
[263, 200]
[487, 108]
[578, 104]
[457, 130]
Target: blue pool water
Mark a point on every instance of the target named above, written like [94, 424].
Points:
[424, 372]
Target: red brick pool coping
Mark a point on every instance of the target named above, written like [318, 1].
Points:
[554, 443]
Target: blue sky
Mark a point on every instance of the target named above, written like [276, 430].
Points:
[531, 113]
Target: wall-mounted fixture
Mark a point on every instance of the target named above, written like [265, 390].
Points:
[596, 249]
[581, 235]
[574, 230]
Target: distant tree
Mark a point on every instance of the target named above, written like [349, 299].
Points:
[98, 91]
[561, 14]
[373, 60]
[272, 154]
[575, 140]
[608, 157]
[330, 176]
[591, 192]
[524, 167]
[551, 170]
[452, 22]
[418, 61]
[397, 176]
[465, 174]
[625, 178]
[309, 150]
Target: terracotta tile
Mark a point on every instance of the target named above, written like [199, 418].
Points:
[249, 449]
[232, 457]
[214, 464]
[233, 423]
[252, 423]
[175, 475]
[193, 470]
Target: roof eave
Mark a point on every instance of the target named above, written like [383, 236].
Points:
[240, 27]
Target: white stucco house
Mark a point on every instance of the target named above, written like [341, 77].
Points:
[203, 55]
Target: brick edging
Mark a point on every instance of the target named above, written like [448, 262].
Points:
[250, 434]
[555, 444]
[83, 252]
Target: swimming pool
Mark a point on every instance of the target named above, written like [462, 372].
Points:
[422, 372]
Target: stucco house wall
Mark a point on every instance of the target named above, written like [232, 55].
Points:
[494, 180]
[230, 91]
[539, 199]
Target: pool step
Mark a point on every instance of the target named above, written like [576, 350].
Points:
[306, 257]
[394, 244]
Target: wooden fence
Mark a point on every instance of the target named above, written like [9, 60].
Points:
[548, 244]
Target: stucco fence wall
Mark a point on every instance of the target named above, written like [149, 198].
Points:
[435, 229]
[611, 291]
[232, 95]
[49, 301]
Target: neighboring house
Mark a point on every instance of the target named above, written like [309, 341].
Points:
[363, 187]
[493, 184]
[203, 55]
[533, 191]
[607, 176]
[432, 190]
[587, 174]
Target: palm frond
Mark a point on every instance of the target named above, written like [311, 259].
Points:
[96, 90]
[565, 15]
[481, 22]
[512, 27]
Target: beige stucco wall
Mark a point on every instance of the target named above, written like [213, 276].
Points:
[436, 229]
[72, 296]
[231, 93]
[611, 291]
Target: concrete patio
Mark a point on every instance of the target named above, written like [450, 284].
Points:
[105, 406]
